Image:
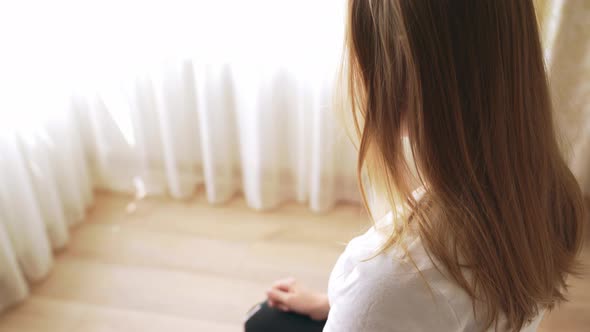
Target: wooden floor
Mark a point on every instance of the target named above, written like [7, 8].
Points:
[188, 266]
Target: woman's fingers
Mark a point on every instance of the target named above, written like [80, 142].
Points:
[279, 293]
[278, 296]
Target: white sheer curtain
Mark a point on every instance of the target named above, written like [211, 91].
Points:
[45, 189]
[267, 132]
[153, 98]
[240, 100]
[567, 37]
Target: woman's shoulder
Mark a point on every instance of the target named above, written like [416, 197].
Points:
[409, 257]
[397, 285]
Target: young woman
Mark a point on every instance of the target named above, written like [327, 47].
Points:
[490, 236]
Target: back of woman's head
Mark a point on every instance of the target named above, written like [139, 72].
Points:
[465, 81]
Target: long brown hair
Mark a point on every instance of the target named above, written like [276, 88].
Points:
[465, 81]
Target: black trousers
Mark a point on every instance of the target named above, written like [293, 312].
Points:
[266, 319]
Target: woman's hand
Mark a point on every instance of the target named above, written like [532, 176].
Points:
[288, 295]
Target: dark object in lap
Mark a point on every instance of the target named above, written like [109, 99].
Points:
[267, 319]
